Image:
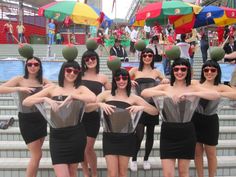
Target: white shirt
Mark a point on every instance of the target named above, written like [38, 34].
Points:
[184, 48]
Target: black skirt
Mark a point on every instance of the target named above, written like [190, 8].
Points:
[177, 140]
[147, 119]
[67, 145]
[33, 126]
[91, 123]
[207, 128]
[119, 144]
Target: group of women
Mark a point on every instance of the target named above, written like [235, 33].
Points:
[70, 145]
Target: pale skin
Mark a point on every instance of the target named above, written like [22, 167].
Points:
[231, 55]
[90, 157]
[117, 165]
[177, 92]
[21, 84]
[224, 91]
[81, 93]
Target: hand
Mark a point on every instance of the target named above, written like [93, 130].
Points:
[107, 108]
[53, 103]
[134, 109]
[165, 81]
[134, 83]
[26, 89]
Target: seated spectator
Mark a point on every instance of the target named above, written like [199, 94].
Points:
[119, 51]
[230, 47]
[154, 45]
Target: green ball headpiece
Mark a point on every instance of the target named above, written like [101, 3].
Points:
[217, 53]
[91, 44]
[70, 52]
[113, 63]
[26, 51]
[173, 52]
[140, 45]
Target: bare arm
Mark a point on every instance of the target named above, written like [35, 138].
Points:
[226, 91]
[153, 91]
[230, 56]
[85, 95]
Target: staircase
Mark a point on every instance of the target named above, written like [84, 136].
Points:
[14, 155]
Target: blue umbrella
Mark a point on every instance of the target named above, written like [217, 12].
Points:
[107, 21]
[207, 15]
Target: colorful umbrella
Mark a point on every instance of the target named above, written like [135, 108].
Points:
[207, 15]
[160, 12]
[228, 18]
[78, 12]
[107, 22]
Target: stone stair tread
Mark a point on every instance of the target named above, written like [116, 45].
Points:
[157, 129]
[18, 163]
[16, 145]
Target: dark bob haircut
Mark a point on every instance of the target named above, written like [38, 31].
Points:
[61, 77]
[141, 63]
[184, 62]
[211, 63]
[89, 53]
[39, 75]
[117, 73]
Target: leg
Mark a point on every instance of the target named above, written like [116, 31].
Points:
[149, 140]
[90, 158]
[112, 165]
[73, 169]
[148, 145]
[123, 166]
[212, 159]
[35, 149]
[61, 170]
[168, 166]
[199, 159]
[183, 167]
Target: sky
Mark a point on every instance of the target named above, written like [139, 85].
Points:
[122, 7]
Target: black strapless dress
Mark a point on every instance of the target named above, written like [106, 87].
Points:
[32, 124]
[91, 120]
[67, 144]
[119, 143]
[144, 83]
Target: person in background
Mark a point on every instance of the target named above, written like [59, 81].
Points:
[133, 39]
[204, 45]
[58, 38]
[184, 48]
[33, 126]
[96, 82]
[51, 32]
[119, 51]
[145, 76]
[21, 30]
[156, 48]
[8, 29]
[229, 48]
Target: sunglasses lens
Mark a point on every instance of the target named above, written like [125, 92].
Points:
[181, 69]
[76, 71]
[90, 58]
[33, 64]
[147, 55]
[68, 70]
[206, 70]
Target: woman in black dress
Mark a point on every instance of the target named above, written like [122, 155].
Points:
[145, 76]
[177, 139]
[119, 141]
[96, 82]
[67, 143]
[33, 126]
[206, 120]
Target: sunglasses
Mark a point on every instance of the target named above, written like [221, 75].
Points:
[206, 70]
[182, 69]
[86, 59]
[147, 55]
[69, 71]
[124, 78]
[30, 64]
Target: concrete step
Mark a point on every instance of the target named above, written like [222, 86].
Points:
[225, 120]
[18, 149]
[17, 166]
[13, 133]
